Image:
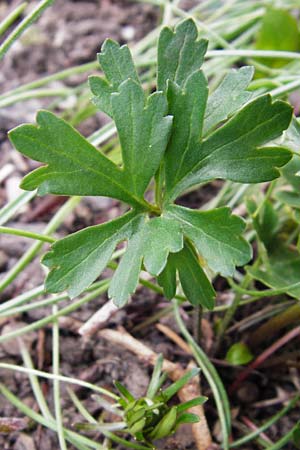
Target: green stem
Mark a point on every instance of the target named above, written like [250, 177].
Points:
[35, 248]
[245, 53]
[289, 87]
[10, 19]
[28, 234]
[285, 439]
[113, 437]
[212, 377]
[26, 22]
[266, 197]
[56, 382]
[62, 312]
[72, 437]
[38, 93]
[11, 307]
[249, 437]
[265, 292]
[35, 385]
[62, 378]
[33, 85]
[231, 312]
[8, 211]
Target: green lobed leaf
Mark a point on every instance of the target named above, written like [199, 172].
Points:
[77, 260]
[187, 106]
[229, 97]
[290, 198]
[151, 243]
[74, 166]
[291, 140]
[126, 277]
[102, 91]
[282, 270]
[195, 284]
[217, 236]
[116, 62]
[143, 131]
[291, 137]
[266, 222]
[179, 53]
[279, 31]
[167, 278]
[235, 152]
[162, 236]
[117, 65]
[291, 172]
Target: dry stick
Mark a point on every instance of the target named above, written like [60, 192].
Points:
[99, 319]
[191, 390]
[263, 356]
[174, 337]
[276, 323]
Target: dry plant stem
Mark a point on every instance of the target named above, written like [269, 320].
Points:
[197, 319]
[268, 329]
[99, 319]
[174, 337]
[144, 353]
[200, 430]
[263, 356]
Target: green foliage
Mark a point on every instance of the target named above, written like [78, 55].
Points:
[280, 270]
[265, 223]
[296, 436]
[239, 354]
[279, 31]
[230, 95]
[179, 137]
[150, 418]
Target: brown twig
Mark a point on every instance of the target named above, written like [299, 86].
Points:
[174, 337]
[191, 390]
[275, 324]
[99, 319]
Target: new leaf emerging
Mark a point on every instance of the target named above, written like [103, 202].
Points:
[180, 137]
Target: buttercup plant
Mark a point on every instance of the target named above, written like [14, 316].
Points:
[174, 139]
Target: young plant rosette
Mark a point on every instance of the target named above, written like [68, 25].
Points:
[175, 139]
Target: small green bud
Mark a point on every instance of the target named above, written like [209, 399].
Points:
[138, 426]
[166, 426]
